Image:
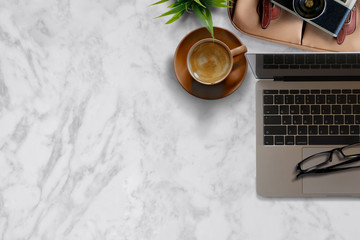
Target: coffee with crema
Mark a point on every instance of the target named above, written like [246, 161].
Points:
[210, 62]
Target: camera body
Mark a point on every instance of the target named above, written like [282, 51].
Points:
[327, 15]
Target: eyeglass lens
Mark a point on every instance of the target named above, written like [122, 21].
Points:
[351, 150]
[315, 160]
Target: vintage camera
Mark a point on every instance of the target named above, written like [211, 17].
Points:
[328, 15]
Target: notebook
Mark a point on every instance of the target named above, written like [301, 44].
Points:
[306, 103]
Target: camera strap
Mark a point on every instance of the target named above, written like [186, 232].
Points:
[348, 27]
[267, 12]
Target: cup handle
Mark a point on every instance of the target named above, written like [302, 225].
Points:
[239, 50]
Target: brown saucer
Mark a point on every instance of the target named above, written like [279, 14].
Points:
[222, 89]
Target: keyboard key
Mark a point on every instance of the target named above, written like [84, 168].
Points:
[292, 66]
[357, 119]
[268, 99]
[336, 109]
[302, 130]
[299, 59]
[271, 66]
[346, 91]
[333, 140]
[309, 59]
[328, 119]
[272, 120]
[304, 66]
[346, 109]
[313, 130]
[336, 91]
[292, 130]
[315, 109]
[325, 109]
[310, 99]
[279, 59]
[297, 119]
[304, 91]
[351, 99]
[330, 99]
[341, 99]
[289, 140]
[320, 59]
[268, 140]
[268, 59]
[354, 129]
[305, 109]
[315, 66]
[294, 109]
[330, 59]
[301, 140]
[284, 109]
[279, 99]
[289, 99]
[286, 120]
[307, 119]
[299, 99]
[275, 130]
[271, 91]
[284, 91]
[339, 119]
[289, 59]
[356, 109]
[269, 109]
[315, 91]
[323, 130]
[333, 130]
[320, 99]
[344, 129]
[318, 119]
[279, 140]
[349, 119]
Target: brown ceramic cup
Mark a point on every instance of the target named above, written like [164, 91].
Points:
[210, 61]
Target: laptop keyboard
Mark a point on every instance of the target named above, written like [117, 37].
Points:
[311, 116]
[311, 61]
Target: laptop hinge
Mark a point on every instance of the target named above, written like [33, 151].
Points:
[316, 78]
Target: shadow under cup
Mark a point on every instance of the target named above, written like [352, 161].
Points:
[210, 61]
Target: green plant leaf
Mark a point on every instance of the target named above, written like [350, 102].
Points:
[217, 3]
[175, 17]
[159, 2]
[177, 3]
[202, 17]
[198, 2]
[173, 11]
[209, 20]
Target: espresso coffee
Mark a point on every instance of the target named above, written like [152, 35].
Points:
[210, 62]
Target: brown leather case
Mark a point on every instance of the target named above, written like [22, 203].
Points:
[287, 29]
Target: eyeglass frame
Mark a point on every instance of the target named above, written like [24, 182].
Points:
[333, 168]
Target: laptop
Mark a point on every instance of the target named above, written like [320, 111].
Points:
[306, 103]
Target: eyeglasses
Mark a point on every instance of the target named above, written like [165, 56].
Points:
[319, 163]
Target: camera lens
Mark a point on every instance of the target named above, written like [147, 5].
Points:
[309, 9]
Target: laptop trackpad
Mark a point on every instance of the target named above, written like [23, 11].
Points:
[346, 182]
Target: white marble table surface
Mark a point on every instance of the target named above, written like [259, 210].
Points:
[99, 141]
